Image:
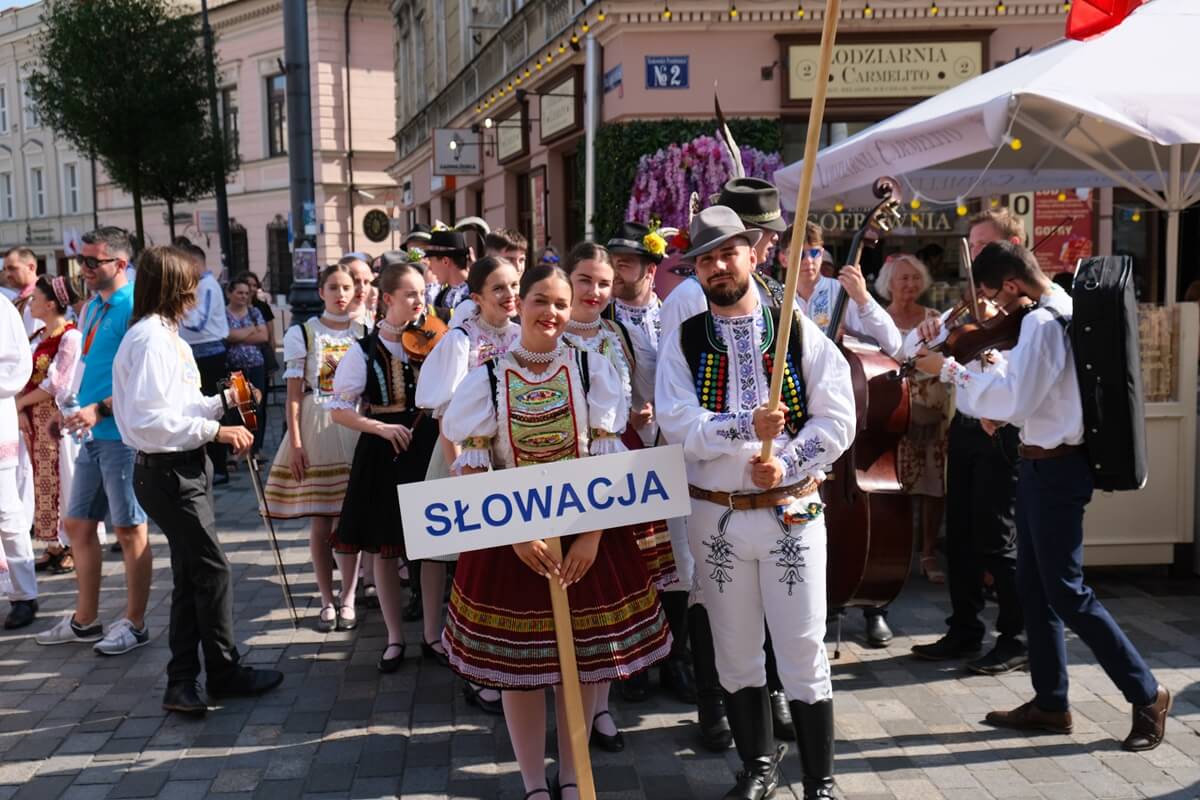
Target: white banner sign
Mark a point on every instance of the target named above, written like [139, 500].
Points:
[509, 506]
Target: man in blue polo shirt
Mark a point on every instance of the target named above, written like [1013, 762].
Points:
[103, 484]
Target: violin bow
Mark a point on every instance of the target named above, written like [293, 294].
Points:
[812, 142]
[964, 249]
[256, 482]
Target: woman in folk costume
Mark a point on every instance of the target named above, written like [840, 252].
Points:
[486, 332]
[312, 465]
[557, 403]
[379, 376]
[590, 270]
[56, 350]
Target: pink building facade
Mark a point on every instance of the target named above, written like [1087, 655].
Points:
[352, 114]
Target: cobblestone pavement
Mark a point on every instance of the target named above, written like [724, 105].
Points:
[80, 726]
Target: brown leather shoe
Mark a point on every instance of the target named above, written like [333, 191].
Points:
[1149, 723]
[1028, 717]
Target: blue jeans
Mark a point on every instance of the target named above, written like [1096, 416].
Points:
[102, 489]
[1051, 496]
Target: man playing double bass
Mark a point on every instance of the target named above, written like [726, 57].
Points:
[756, 526]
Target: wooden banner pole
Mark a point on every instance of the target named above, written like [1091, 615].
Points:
[578, 728]
[815, 119]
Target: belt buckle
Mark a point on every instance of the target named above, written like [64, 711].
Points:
[734, 495]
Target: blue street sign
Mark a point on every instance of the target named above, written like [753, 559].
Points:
[666, 72]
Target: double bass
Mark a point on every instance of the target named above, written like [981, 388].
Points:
[869, 517]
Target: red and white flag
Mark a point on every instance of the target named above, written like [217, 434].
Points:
[72, 242]
[1090, 18]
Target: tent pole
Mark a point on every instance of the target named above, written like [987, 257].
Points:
[1047, 134]
[1174, 166]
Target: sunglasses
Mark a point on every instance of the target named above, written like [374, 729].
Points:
[813, 253]
[91, 262]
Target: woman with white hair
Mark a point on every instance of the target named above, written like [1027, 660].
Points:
[902, 281]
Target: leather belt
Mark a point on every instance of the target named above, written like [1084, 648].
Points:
[168, 460]
[1035, 453]
[750, 501]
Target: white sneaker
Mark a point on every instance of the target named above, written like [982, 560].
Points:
[121, 638]
[67, 631]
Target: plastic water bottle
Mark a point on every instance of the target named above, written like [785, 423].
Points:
[6, 584]
[69, 408]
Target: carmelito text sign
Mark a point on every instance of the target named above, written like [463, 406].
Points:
[509, 506]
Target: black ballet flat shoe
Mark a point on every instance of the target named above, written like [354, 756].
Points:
[390, 665]
[428, 651]
[609, 744]
[474, 697]
[345, 623]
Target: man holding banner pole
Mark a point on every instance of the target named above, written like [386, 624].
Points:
[756, 530]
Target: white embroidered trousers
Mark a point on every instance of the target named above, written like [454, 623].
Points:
[14, 538]
[750, 566]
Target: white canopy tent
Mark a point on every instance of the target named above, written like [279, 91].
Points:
[1122, 109]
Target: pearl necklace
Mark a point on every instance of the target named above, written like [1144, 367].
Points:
[335, 317]
[535, 358]
[583, 327]
[388, 327]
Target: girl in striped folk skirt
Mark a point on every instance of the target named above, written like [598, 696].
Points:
[312, 466]
[550, 403]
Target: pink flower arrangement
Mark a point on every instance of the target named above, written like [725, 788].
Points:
[666, 179]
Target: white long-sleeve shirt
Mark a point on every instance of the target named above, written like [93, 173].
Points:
[1038, 390]
[719, 446]
[206, 324]
[16, 365]
[869, 320]
[157, 401]
[463, 348]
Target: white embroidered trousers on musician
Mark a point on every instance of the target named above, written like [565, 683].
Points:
[14, 538]
[750, 565]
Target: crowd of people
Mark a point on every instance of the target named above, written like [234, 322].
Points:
[452, 356]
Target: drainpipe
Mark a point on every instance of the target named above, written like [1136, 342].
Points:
[591, 114]
[349, 123]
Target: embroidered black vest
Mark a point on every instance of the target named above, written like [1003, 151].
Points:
[708, 362]
[391, 384]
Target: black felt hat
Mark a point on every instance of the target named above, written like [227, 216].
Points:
[444, 243]
[754, 200]
[420, 232]
[631, 240]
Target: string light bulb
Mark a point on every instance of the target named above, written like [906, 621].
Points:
[839, 207]
[915, 203]
[478, 107]
[585, 26]
[868, 12]
[549, 56]
[1066, 6]
[562, 48]
[538, 65]
[600, 15]
[1015, 143]
[510, 86]
[1000, 7]
[800, 11]
[995, 202]
[733, 12]
[960, 207]
[527, 72]
[1062, 197]
[517, 80]
[1136, 216]
[574, 37]
[934, 10]
[666, 12]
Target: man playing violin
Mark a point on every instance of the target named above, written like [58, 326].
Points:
[981, 489]
[163, 415]
[1038, 392]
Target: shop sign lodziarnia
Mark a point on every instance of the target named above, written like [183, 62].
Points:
[872, 69]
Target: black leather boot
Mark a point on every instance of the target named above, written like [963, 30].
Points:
[675, 674]
[710, 699]
[750, 716]
[814, 733]
[780, 715]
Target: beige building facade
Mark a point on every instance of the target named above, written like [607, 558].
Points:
[353, 95]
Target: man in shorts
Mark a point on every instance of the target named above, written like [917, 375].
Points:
[103, 485]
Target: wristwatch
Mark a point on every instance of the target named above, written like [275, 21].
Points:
[103, 409]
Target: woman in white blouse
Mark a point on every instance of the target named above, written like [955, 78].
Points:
[312, 466]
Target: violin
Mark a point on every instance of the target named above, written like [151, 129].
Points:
[243, 399]
[422, 335]
[970, 339]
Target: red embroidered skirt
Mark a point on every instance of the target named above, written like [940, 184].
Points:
[500, 626]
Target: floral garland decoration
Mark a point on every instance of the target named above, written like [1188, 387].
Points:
[666, 179]
[654, 241]
[414, 255]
